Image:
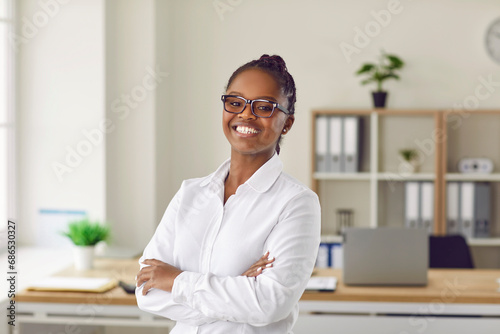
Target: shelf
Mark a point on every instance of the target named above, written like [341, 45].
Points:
[484, 242]
[342, 176]
[406, 177]
[330, 238]
[472, 177]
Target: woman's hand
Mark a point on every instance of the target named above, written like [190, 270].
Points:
[158, 275]
[256, 269]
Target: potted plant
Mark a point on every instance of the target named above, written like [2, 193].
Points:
[386, 69]
[85, 235]
[409, 157]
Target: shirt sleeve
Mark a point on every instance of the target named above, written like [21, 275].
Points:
[160, 247]
[274, 294]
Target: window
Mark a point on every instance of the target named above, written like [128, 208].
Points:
[7, 178]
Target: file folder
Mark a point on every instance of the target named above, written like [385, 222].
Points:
[412, 204]
[467, 209]
[336, 143]
[321, 144]
[482, 210]
[337, 256]
[351, 144]
[323, 261]
[452, 207]
[427, 206]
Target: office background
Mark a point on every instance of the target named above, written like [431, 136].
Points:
[92, 62]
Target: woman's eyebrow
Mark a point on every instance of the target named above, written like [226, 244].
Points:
[258, 98]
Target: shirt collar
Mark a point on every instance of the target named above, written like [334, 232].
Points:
[260, 181]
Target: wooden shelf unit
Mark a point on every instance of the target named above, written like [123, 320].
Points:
[442, 134]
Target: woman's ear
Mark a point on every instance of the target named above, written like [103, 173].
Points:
[288, 124]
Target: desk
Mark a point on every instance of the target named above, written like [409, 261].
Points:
[454, 301]
[113, 308]
[401, 310]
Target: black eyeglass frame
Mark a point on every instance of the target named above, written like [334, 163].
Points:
[275, 105]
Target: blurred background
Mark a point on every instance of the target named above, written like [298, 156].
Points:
[112, 103]
[106, 106]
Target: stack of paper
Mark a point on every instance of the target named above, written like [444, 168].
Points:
[78, 284]
[327, 283]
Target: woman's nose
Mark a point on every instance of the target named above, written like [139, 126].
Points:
[247, 112]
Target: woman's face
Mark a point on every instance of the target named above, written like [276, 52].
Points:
[261, 140]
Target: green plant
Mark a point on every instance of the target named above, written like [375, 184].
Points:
[409, 154]
[385, 69]
[86, 233]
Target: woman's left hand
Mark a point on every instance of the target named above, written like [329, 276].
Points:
[158, 275]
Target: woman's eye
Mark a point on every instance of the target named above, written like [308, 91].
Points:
[265, 108]
[235, 104]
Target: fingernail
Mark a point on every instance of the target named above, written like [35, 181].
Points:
[136, 278]
[270, 258]
[259, 269]
[269, 265]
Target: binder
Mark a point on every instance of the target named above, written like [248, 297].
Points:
[427, 206]
[323, 261]
[452, 207]
[412, 204]
[335, 144]
[482, 210]
[466, 224]
[321, 144]
[351, 144]
[337, 256]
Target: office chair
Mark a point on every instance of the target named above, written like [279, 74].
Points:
[449, 251]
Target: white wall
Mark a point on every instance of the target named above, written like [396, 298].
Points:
[60, 94]
[130, 105]
[175, 132]
[442, 42]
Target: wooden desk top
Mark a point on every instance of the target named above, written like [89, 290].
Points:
[478, 286]
[120, 269]
[470, 286]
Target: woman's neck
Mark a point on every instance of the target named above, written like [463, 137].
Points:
[241, 169]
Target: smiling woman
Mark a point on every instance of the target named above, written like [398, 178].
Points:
[234, 250]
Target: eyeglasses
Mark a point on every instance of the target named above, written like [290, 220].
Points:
[261, 108]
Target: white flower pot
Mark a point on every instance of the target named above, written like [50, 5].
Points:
[408, 167]
[84, 257]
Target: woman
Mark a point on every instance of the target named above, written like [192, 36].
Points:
[204, 266]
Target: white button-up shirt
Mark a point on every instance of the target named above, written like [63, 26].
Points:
[214, 243]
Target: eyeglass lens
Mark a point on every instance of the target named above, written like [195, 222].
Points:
[260, 108]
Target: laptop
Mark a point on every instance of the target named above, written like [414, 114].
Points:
[385, 256]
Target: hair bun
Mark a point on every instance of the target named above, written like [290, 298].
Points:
[274, 60]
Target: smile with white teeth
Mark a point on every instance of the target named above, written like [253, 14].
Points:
[245, 130]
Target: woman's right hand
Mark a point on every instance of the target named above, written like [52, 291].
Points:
[256, 269]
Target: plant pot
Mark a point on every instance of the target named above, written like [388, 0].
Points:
[84, 257]
[408, 167]
[379, 99]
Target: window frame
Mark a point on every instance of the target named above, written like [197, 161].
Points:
[10, 124]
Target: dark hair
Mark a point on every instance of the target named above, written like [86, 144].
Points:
[276, 67]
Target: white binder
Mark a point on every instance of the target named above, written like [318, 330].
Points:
[466, 224]
[335, 144]
[482, 210]
[322, 260]
[427, 206]
[321, 144]
[452, 207]
[351, 144]
[412, 204]
[336, 255]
